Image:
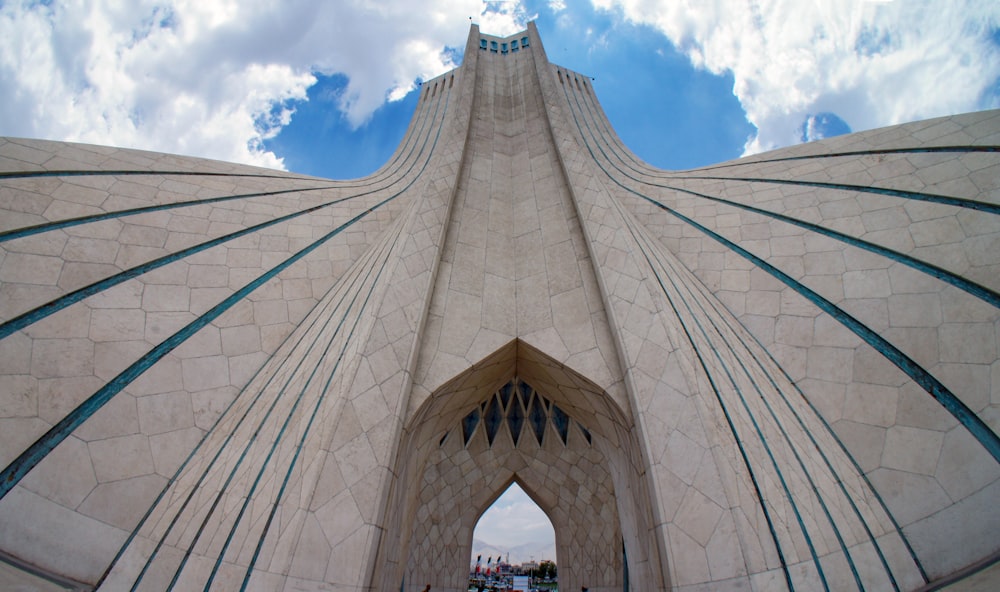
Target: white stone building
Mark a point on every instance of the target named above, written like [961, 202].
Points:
[776, 372]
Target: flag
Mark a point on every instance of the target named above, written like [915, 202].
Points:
[488, 562]
[478, 561]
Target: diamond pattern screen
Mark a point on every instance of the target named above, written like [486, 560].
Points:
[515, 405]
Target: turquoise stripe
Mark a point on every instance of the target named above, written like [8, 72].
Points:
[33, 316]
[260, 473]
[69, 222]
[197, 447]
[229, 437]
[860, 472]
[299, 445]
[885, 565]
[123, 172]
[871, 152]
[729, 421]
[27, 460]
[274, 447]
[815, 445]
[751, 161]
[791, 446]
[207, 469]
[802, 425]
[274, 506]
[948, 200]
[382, 174]
[979, 291]
[749, 415]
[986, 437]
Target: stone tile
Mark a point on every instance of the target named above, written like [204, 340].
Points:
[121, 458]
[517, 255]
[66, 475]
[912, 449]
[165, 412]
[117, 325]
[19, 396]
[122, 503]
[26, 268]
[205, 373]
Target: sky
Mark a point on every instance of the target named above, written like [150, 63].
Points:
[327, 88]
[513, 520]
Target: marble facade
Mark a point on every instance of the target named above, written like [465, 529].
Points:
[779, 372]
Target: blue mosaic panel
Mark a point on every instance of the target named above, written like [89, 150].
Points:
[516, 404]
[505, 393]
[561, 422]
[538, 418]
[525, 391]
[493, 419]
[469, 425]
[515, 419]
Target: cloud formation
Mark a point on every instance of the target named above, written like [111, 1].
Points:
[870, 62]
[514, 519]
[215, 78]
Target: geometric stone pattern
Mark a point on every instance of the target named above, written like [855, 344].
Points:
[787, 365]
[568, 481]
[508, 410]
[895, 231]
[574, 481]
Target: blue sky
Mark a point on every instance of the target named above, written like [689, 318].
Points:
[327, 88]
[645, 85]
[514, 519]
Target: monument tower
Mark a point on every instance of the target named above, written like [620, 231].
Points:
[779, 372]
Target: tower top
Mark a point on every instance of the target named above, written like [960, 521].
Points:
[499, 44]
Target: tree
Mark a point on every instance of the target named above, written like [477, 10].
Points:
[547, 569]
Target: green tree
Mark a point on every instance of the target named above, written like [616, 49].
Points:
[547, 569]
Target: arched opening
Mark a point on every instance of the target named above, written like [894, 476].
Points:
[519, 416]
[513, 531]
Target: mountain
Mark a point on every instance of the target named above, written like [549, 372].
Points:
[518, 553]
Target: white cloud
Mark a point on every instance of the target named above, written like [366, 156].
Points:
[871, 63]
[514, 519]
[215, 78]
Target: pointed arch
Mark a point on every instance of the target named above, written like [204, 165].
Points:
[581, 473]
[503, 491]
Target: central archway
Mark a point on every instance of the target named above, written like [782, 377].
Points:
[519, 416]
[514, 529]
